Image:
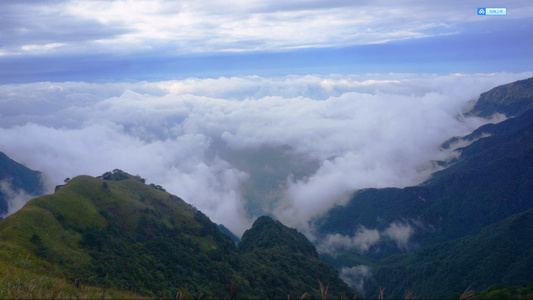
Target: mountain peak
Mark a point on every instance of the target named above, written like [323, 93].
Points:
[267, 233]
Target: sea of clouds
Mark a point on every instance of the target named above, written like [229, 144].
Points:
[291, 146]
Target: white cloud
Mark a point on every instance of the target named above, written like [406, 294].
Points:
[364, 239]
[175, 164]
[400, 234]
[192, 136]
[15, 198]
[213, 26]
[355, 276]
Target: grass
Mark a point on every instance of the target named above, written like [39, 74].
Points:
[31, 286]
[18, 283]
[25, 276]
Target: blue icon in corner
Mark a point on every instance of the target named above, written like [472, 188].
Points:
[492, 11]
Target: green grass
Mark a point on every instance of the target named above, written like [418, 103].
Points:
[26, 276]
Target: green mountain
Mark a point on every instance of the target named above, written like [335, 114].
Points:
[287, 263]
[500, 254]
[268, 234]
[228, 232]
[122, 234]
[17, 178]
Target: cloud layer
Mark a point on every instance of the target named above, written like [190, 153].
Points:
[305, 142]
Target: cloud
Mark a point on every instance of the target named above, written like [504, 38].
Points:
[355, 276]
[400, 234]
[15, 198]
[224, 26]
[237, 147]
[364, 239]
[174, 164]
[379, 140]
[46, 28]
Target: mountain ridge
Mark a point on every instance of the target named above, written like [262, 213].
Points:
[510, 99]
[123, 234]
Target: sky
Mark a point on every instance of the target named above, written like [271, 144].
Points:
[245, 108]
[63, 40]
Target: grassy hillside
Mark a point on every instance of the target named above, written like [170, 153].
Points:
[23, 275]
[121, 234]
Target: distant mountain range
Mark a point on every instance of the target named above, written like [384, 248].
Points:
[470, 223]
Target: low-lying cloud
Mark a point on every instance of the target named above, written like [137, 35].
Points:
[365, 239]
[361, 241]
[355, 276]
[400, 234]
[305, 142]
[15, 198]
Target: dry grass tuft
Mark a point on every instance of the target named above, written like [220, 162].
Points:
[468, 294]
[381, 290]
[323, 290]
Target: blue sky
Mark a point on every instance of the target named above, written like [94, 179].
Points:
[155, 40]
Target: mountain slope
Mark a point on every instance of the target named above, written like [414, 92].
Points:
[500, 254]
[123, 234]
[492, 179]
[15, 178]
[228, 232]
[510, 99]
[277, 247]
[120, 232]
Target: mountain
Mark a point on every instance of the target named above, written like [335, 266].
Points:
[465, 226]
[16, 179]
[277, 247]
[121, 234]
[510, 99]
[500, 254]
[228, 232]
[491, 180]
[268, 234]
